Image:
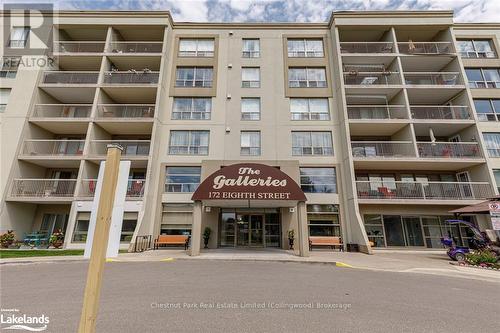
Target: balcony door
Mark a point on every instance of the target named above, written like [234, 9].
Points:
[464, 189]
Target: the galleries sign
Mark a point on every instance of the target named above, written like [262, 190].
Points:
[249, 181]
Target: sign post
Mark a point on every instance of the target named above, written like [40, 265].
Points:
[100, 241]
[494, 208]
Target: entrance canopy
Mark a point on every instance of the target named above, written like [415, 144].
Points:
[249, 185]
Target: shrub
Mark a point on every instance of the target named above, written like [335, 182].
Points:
[481, 257]
[7, 238]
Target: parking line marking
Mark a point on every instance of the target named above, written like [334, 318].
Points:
[341, 264]
[167, 259]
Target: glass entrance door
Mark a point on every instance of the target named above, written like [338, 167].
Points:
[413, 231]
[250, 230]
[256, 230]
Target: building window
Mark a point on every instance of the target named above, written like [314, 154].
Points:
[496, 173]
[4, 98]
[487, 109]
[251, 48]
[312, 143]
[128, 228]
[9, 67]
[177, 219]
[192, 108]
[305, 48]
[250, 143]
[309, 109]
[81, 227]
[250, 108]
[483, 77]
[476, 48]
[19, 37]
[318, 180]
[196, 47]
[492, 141]
[323, 220]
[189, 142]
[307, 77]
[250, 77]
[194, 77]
[182, 179]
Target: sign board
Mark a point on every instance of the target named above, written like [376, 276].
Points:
[494, 208]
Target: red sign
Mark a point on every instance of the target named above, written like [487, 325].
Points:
[249, 181]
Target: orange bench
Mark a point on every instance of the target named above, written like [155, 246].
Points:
[331, 241]
[172, 240]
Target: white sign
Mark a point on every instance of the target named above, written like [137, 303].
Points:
[494, 207]
[495, 222]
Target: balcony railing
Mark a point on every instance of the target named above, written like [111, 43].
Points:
[373, 112]
[60, 77]
[423, 190]
[131, 77]
[53, 148]
[484, 84]
[366, 47]
[62, 110]
[135, 47]
[371, 78]
[126, 111]
[382, 149]
[426, 48]
[452, 112]
[131, 148]
[478, 54]
[8, 74]
[79, 47]
[434, 79]
[135, 188]
[43, 188]
[449, 150]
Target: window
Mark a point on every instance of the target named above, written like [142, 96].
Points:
[177, 219]
[250, 108]
[192, 108]
[251, 48]
[19, 37]
[483, 77]
[4, 98]
[182, 179]
[306, 77]
[128, 228]
[189, 142]
[194, 77]
[496, 173]
[476, 49]
[9, 67]
[250, 77]
[81, 227]
[312, 143]
[492, 141]
[309, 109]
[250, 143]
[318, 180]
[323, 220]
[301, 48]
[488, 109]
[196, 47]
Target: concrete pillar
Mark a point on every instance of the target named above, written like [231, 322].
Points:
[196, 229]
[303, 232]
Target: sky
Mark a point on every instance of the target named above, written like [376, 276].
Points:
[285, 10]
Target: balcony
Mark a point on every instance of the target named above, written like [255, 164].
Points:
[366, 47]
[61, 77]
[135, 47]
[52, 148]
[79, 47]
[125, 111]
[131, 148]
[371, 78]
[135, 188]
[382, 149]
[433, 78]
[426, 48]
[469, 150]
[62, 111]
[440, 112]
[376, 112]
[43, 188]
[393, 190]
[131, 77]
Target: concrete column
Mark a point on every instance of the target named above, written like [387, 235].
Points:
[303, 233]
[196, 229]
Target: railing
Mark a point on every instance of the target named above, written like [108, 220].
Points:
[60, 77]
[193, 83]
[3, 107]
[126, 111]
[181, 187]
[435, 78]
[370, 112]
[456, 112]
[371, 78]
[8, 74]
[135, 47]
[426, 48]
[366, 47]
[143, 243]
[250, 84]
[250, 54]
[131, 77]
[131, 148]
[484, 84]
[79, 47]
[191, 115]
[316, 151]
[62, 110]
[306, 54]
[306, 84]
[449, 150]
[310, 115]
[200, 54]
[43, 188]
[135, 188]
[250, 116]
[376, 149]
[423, 190]
[478, 54]
[188, 150]
[53, 147]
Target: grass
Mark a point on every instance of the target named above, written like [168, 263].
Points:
[38, 253]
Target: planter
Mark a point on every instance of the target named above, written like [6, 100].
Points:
[290, 243]
[205, 242]
[57, 244]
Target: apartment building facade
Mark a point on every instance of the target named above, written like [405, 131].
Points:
[371, 127]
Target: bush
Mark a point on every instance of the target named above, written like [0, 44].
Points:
[481, 257]
[7, 238]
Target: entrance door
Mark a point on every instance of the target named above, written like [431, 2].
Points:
[393, 231]
[250, 230]
[413, 231]
[256, 230]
